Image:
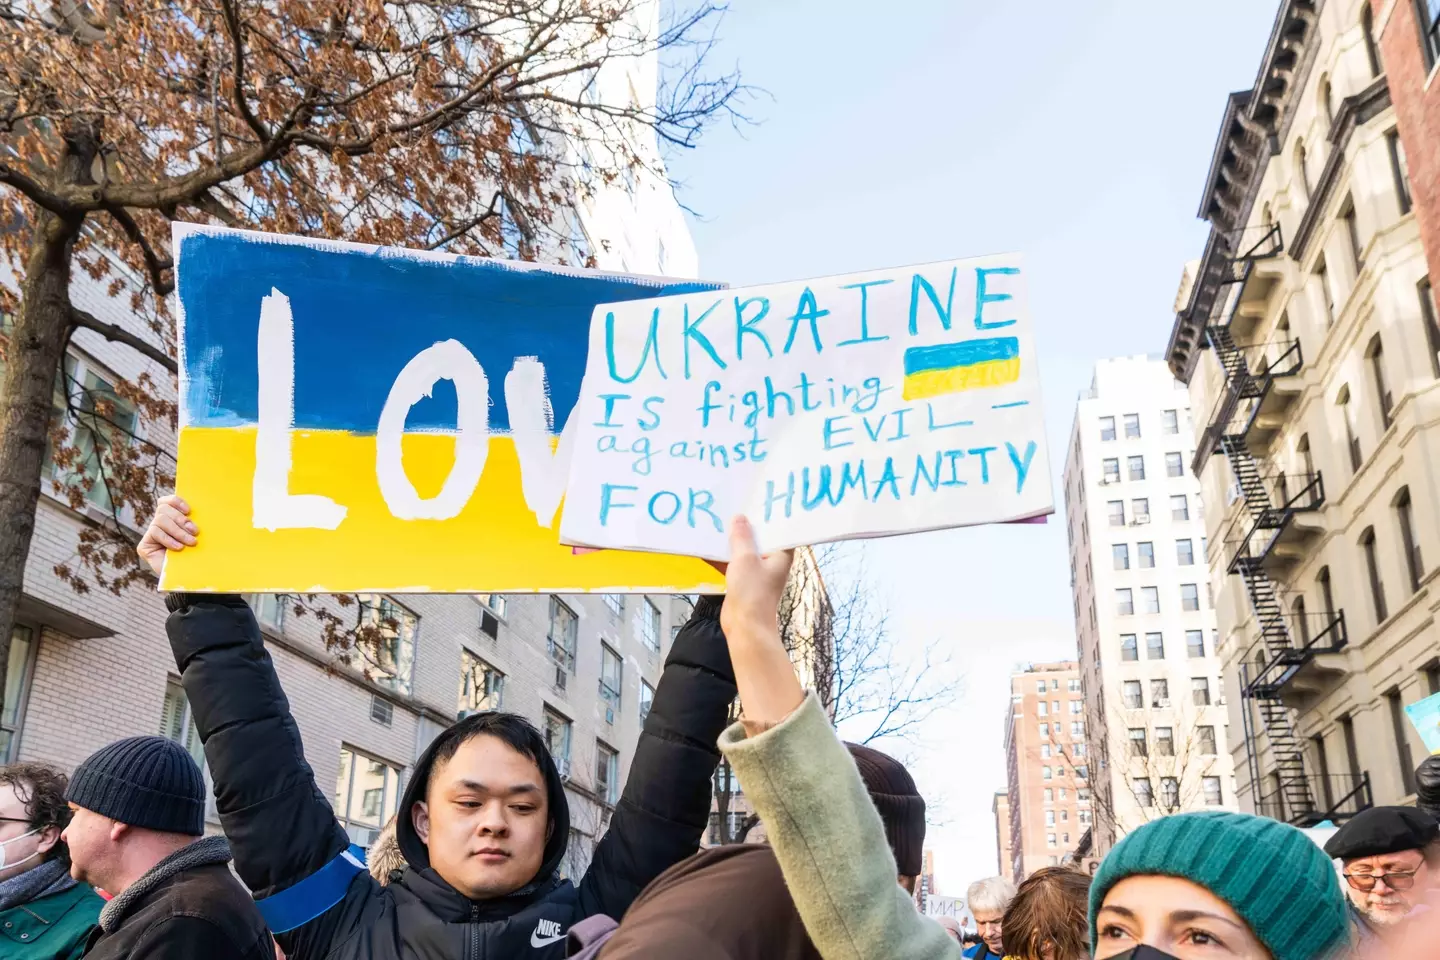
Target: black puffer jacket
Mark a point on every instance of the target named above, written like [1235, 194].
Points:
[290, 850]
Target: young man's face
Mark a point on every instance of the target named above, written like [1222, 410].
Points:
[485, 819]
[1384, 905]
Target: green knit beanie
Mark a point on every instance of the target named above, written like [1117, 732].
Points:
[1276, 878]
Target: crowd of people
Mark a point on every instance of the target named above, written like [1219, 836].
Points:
[112, 861]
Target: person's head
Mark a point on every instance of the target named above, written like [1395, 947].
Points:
[33, 814]
[1046, 917]
[901, 809]
[1217, 886]
[988, 900]
[132, 804]
[952, 927]
[485, 808]
[1382, 851]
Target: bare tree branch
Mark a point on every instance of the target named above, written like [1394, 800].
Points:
[110, 331]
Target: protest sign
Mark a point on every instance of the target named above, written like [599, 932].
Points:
[358, 418]
[853, 406]
[1425, 715]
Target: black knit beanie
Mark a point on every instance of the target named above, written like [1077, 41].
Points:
[148, 782]
[901, 807]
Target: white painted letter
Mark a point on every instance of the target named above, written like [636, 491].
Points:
[274, 507]
[542, 473]
[448, 360]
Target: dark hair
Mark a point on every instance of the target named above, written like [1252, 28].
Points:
[1051, 907]
[511, 729]
[41, 788]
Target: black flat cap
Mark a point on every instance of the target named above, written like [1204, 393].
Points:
[1382, 830]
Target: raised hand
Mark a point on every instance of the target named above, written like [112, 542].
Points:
[171, 529]
[769, 690]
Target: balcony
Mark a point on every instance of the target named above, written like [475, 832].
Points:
[1273, 539]
[1299, 674]
[1337, 797]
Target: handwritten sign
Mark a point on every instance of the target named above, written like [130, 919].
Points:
[854, 406]
[359, 418]
[1425, 716]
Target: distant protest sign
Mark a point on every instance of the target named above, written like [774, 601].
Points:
[854, 406]
[1425, 716]
[359, 418]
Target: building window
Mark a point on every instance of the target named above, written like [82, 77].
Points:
[388, 643]
[1211, 786]
[1179, 507]
[1044, 709]
[1082, 772]
[1432, 325]
[1084, 817]
[1169, 422]
[1185, 553]
[611, 681]
[1352, 442]
[1074, 687]
[1044, 727]
[1129, 649]
[102, 422]
[1132, 426]
[177, 723]
[1115, 509]
[1140, 509]
[1138, 747]
[1302, 173]
[1049, 818]
[647, 697]
[1402, 738]
[496, 602]
[1155, 646]
[616, 602]
[1372, 567]
[1077, 729]
[1133, 695]
[1207, 740]
[1044, 751]
[366, 794]
[1146, 550]
[1400, 170]
[1044, 773]
[1107, 428]
[1110, 470]
[1136, 467]
[1405, 516]
[1121, 554]
[1170, 793]
[648, 620]
[17, 687]
[1189, 596]
[1376, 357]
[1327, 293]
[564, 631]
[1327, 99]
[1352, 234]
[557, 739]
[269, 609]
[1077, 707]
[1040, 686]
[1194, 644]
[1159, 694]
[1367, 29]
[1050, 841]
[1427, 12]
[1200, 691]
[1150, 597]
[1049, 795]
[1142, 790]
[1124, 602]
[482, 687]
[1174, 465]
[607, 774]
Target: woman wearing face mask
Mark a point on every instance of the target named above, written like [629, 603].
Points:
[1217, 885]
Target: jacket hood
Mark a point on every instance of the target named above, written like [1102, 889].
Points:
[417, 855]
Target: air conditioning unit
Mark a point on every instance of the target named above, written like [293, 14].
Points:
[1220, 701]
[1140, 518]
[1163, 703]
[561, 676]
[382, 711]
[563, 765]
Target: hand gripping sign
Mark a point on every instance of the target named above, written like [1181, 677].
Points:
[855, 406]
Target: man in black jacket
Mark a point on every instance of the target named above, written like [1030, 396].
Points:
[483, 823]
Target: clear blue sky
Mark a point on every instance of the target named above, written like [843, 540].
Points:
[1076, 133]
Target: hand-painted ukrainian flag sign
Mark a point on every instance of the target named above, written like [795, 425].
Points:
[864, 405]
[356, 418]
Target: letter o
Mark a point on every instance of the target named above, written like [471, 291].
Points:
[448, 360]
[673, 513]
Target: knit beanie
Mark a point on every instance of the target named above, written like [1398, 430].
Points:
[1276, 878]
[901, 807]
[148, 782]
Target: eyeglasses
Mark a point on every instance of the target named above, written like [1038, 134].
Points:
[1365, 882]
[13, 820]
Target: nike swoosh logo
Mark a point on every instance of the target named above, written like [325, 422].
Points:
[538, 941]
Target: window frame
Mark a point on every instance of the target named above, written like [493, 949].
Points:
[1107, 425]
[1132, 420]
[564, 723]
[1120, 555]
[22, 681]
[1155, 645]
[1378, 604]
[1405, 519]
[468, 673]
[1189, 601]
[1174, 464]
[375, 605]
[1135, 467]
[563, 655]
[609, 757]
[349, 821]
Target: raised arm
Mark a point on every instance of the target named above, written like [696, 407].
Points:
[666, 803]
[288, 847]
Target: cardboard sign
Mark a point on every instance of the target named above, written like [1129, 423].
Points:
[854, 406]
[1425, 715]
[358, 418]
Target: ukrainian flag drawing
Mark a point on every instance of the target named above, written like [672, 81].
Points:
[360, 314]
[955, 367]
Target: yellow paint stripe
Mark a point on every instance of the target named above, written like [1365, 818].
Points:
[934, 383]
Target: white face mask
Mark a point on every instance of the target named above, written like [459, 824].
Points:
[6, 843]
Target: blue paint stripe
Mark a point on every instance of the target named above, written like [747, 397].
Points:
[1007, 406]
[966, 353]
[360, 316]
[298, 905]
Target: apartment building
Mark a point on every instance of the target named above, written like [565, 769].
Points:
[1048, 797]
[1153, 718]
[1308, 338]
[1004, 853]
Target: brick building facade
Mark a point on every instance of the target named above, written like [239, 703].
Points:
[1049, 801]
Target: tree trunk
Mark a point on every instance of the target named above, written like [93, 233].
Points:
[37, 344]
